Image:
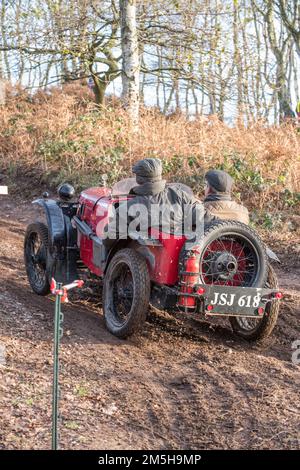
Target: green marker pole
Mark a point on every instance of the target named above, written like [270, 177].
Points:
[58, 319]
[61, 295]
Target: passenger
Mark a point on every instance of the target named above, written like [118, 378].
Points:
[218, 199]
[218, 202]
[174, 204]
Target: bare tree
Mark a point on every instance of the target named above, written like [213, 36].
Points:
[280, 48]
[130, 59]
[225, 57]
[290, 14]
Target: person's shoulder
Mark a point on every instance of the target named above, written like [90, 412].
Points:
[182, 194]
[225, 205]
[173, 191]
[240, 207]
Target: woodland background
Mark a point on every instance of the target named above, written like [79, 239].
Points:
[93, 85]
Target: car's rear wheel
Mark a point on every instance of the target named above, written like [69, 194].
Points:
[126, 293]
[35, 257]
[232, 254]
[257, 329]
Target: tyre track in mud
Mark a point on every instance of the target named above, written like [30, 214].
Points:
[181, 384]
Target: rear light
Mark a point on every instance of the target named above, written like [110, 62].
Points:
[261, 311]
[201, 291]
[278, 295]
[209, 307]
[52, 285]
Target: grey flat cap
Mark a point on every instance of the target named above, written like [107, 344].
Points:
[148, 168]
[219, 180]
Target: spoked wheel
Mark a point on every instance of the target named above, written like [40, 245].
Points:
[254, 329]
[126, 293]
[232, 255]
[35, 256]
[122, 292]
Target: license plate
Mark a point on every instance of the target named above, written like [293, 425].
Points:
[237, 301]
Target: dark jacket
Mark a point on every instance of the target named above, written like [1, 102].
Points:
[178, 211]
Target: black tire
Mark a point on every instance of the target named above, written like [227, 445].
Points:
[126, 287]
[229, 228]
[36, 263]
[259, 329]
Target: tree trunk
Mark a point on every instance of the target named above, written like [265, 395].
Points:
[4, 35]
[99, 90]
[280, 52]
[130, 59]
[169, 100]
[237, 59]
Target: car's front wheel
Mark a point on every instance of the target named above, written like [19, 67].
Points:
[126, 293]
[35, 257]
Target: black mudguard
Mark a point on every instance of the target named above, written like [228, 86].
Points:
[55, 222]
[62, 248]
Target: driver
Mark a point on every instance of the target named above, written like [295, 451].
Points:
[174, 204]
[218, 199]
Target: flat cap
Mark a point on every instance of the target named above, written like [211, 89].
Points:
[219, 180]
[148, 168]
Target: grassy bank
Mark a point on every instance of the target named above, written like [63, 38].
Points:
[61, 136]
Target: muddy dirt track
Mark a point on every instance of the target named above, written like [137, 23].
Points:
[182, 384]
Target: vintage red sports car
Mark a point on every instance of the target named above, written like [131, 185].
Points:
[228, 272]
